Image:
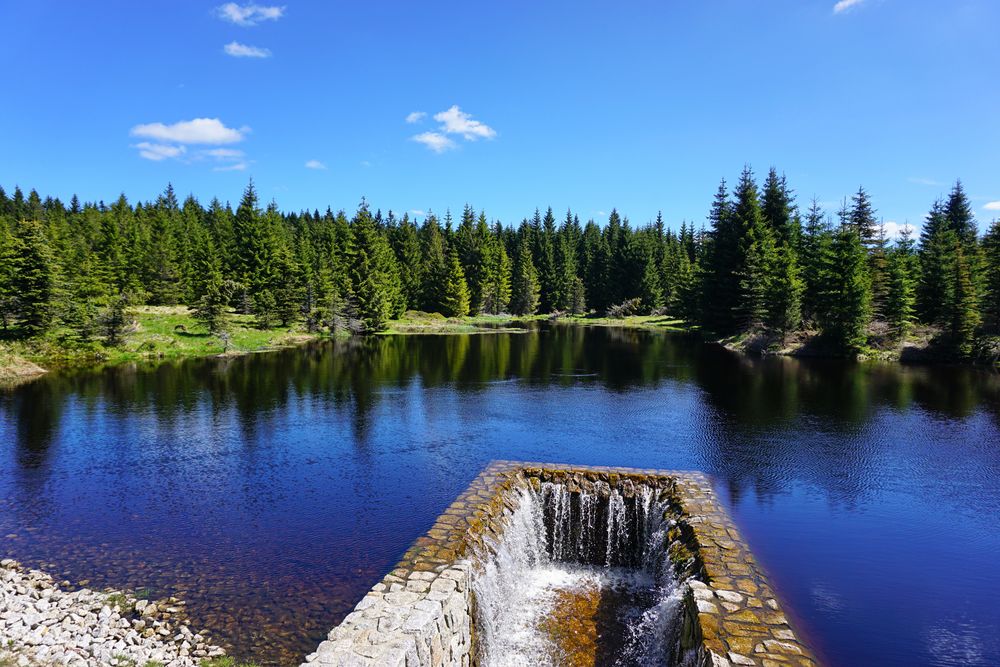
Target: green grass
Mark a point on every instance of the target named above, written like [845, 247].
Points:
[227, 661]
[121, 602]
[418, 322]
[160, 333]
[655, 322]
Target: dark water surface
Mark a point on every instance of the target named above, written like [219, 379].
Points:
[271, 491]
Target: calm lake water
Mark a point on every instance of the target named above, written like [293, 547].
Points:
[271, 491]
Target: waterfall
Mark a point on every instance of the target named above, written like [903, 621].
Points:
[603, 549]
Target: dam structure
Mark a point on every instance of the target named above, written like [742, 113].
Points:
[550, 564]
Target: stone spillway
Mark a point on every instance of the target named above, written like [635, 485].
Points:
[544, 564]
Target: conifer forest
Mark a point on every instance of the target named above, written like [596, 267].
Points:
[762, 264]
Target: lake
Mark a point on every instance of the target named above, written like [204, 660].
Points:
[271, 491]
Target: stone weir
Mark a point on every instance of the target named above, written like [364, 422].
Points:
[547, 564]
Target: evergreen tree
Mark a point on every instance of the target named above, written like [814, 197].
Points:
[845, 321]
[901, 292]
[783, 291]
[374, 274]
[862, 218]
[34, 277]
[720, 280]
[756, 253]
[524, 283]
[963, 310]
[936, 246]
[815, 258]
[456, 290]
[496, 270]
[991, 297]
[778, 210]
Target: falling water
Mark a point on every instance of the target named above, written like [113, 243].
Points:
[567, 559]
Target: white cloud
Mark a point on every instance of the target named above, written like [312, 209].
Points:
[893, 229]
[239, 166]
[315, 164]
[926, 181]
[248, 15]
[456, 121]
[366, 163]
[157, 152]
[992, 206]
[222, 153]
[435, 141]
[238, 50]
[197, 131]
[418, 212]
[846, 5]
[415, 116]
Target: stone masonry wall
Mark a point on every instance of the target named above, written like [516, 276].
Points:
[422, 612]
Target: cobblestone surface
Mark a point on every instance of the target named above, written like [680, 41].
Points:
[421, 613]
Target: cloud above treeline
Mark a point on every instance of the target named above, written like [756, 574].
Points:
[238, 50]
[315, 164]
[992, 206]
[249, 14]
[454, 122]
[172, 142]
[846, 5]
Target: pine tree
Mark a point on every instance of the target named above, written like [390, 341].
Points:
[963, 310]
[456, 290]
[34, 277]
[901, 293]
[720, 280]
[756, 254]
[991, 260]
[815, 258]
[783, 291]
[935, 259]
[524, 283]
[650, 290]
[845, 322]
[862, 218]
[374, 275]
[496, 266]
[779, 211]
[435, 265]
[8, 289]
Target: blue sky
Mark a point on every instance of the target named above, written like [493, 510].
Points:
[511, 105]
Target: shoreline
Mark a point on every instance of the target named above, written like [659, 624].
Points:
[44, 622]
[161, 335]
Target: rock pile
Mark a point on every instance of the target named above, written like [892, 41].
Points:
[44, 623]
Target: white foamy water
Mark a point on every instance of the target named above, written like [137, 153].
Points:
[533, 564]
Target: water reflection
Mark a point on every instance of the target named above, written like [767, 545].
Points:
[272, 490]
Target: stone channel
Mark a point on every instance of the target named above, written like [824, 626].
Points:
[429, 609]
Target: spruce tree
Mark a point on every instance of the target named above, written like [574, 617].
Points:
[783, 291]
[456, 290]
[34, 278]
[755, 253]
[524, 283]
[848, 312]
[963, 310]
[720, 280]
[815, 258]
[936, 257]
[496, 267]
[374, 275]
[901, 293]
[991, 260]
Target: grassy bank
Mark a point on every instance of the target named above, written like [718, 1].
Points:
[159, 333]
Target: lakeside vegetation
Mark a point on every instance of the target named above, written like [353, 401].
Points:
[95, 283]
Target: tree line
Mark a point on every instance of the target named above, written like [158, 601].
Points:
[760, 266]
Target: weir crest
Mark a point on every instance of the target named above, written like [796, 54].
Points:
[547, 564]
